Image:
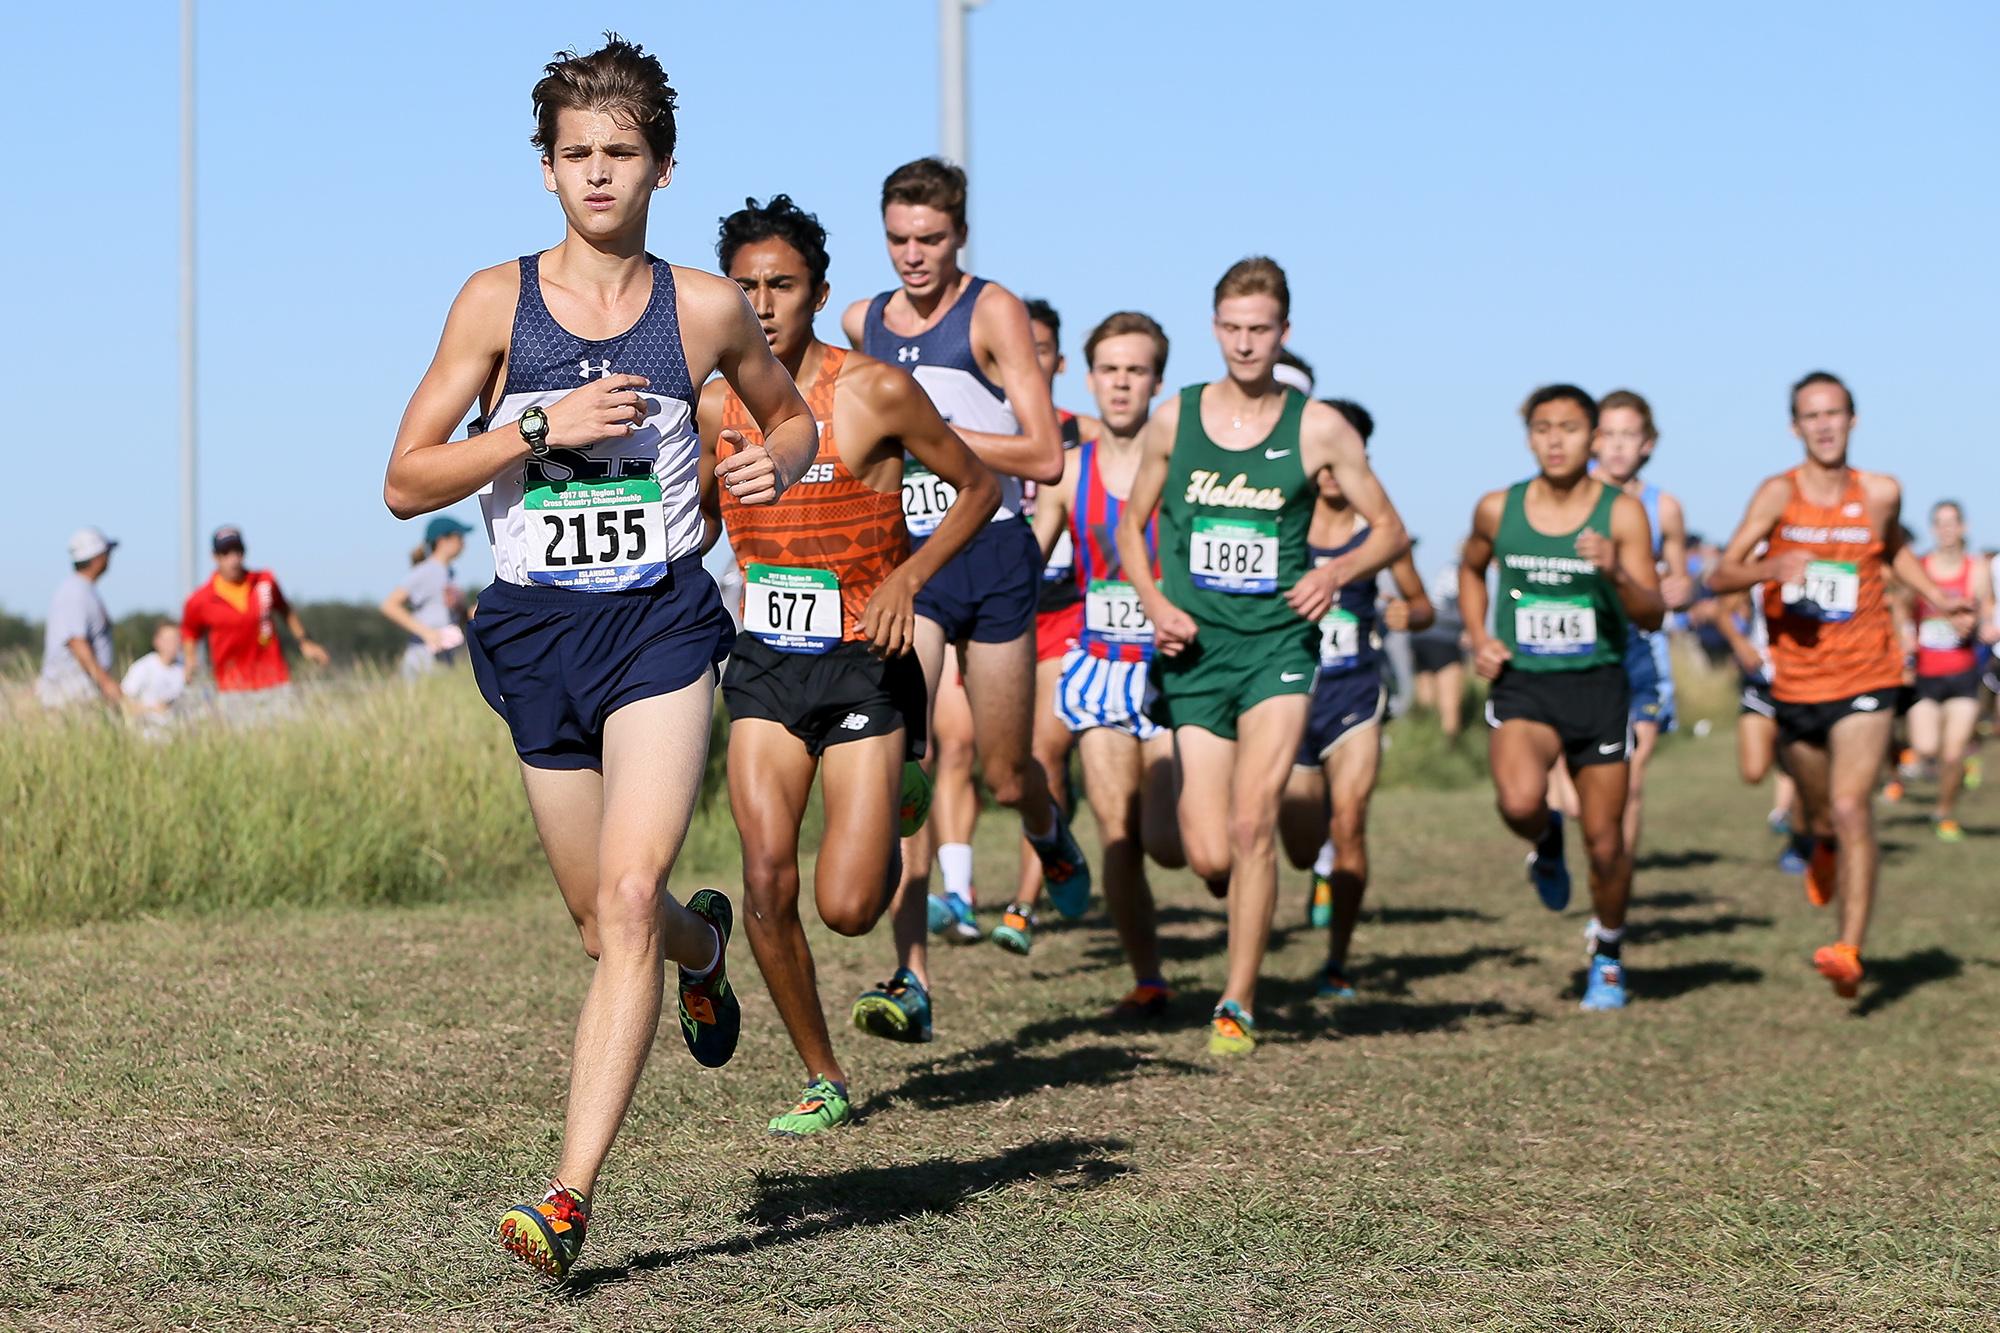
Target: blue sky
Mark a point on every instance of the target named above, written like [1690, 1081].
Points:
[1698, 201]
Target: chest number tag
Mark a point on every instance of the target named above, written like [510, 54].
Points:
[1061, 564]
[1113, 614]
[1830, 590]
[1339, 640]
[1235, 555]
[791, 609]
[1555, 626]
[1938, 635]
[597, 536]
[926, 497]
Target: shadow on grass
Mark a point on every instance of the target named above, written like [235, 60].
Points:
[1009, 1068]
[1678, 979]
[1367, 1016]
[1666, 902]
[1656, 930]
[1896, 977]
[1394, 972]
[787, 1207]
[1425, 916]
[1687, 858]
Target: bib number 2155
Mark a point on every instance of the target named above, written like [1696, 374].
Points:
[596, 535]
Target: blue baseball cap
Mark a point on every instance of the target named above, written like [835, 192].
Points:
[441, 527]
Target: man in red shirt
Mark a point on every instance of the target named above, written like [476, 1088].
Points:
[236, 613]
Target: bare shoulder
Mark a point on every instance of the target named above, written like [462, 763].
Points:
[878, 386]
[1326, 428]
[994, 299]
[1774, 492]
[1486, 514]
[1881, 487]
[1166, 416]
[1628, 510]
[854, 319]
[706, 296]
[488, 298]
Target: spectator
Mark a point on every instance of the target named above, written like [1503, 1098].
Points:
[236, 613]
[155, 683]
[427, 605]
[1439, 654]
[76, 644]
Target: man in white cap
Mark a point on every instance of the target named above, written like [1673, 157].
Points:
[76, 646]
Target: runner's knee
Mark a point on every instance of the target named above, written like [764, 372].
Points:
[1850, 814]
[628, 904]
[1006, 781]
[770, 885]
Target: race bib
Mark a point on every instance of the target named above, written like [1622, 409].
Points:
[926, 497]
[1938, 635]
[1112, 614]
[1555, 627]
[1830, 590]
[793, 610]
[1236, 555]
[596, 536]
[1339, 640]
[1061, 564]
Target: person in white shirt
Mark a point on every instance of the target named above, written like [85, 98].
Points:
[427, 604]
[76, 644]
[154, 684]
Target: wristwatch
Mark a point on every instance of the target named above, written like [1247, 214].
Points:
[535, 430]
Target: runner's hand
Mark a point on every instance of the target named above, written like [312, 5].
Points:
[1490, 658]
[1396, 615]
[1597, 548]
[313, 653]
[890, 619]
[1677, 591]
[749, 473]
[604, 409]
[1173, 631]
[1312, 596]
[1788, 568]
[1748, 661]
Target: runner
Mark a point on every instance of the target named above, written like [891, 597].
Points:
[1324, 820]
[236, 614]
[969, 345]
[599, 637]
[1833, 533]
[1438, 655]
[1128, 770]
[427, 605]
[1576, 567]
[1624, 444]
[1230, 467]
[1741, 625]
[822, 675]
[1946, 709]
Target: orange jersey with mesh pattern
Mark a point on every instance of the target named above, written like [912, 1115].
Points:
[828, 519]
[1832, 636]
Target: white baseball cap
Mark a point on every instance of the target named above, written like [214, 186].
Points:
[88, 544]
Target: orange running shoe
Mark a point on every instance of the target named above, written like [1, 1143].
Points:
[1892, 791]
[1840, 964]
[1820, 879]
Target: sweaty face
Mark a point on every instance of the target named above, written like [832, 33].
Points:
[1123, 381]
[1249, 330]
[1621, 446]
[1559, 434]
[1821, 420]
[1047, 355]
[923, 245]
[779, 284]
[1948, 526]
[603, 171]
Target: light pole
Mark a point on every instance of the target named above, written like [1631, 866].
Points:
[953, 139]
[187, 299]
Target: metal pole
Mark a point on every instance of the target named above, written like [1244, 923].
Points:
[951, 90]
[188, 544]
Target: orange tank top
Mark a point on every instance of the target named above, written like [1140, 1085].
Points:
[828, 523]
[1832, 636]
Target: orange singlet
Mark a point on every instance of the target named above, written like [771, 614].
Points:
[829, 520]
[1832, 636]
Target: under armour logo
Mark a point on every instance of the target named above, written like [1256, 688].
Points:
[584, 372]
[909, 353]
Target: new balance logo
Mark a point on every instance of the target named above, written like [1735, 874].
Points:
[584, 368]
[854, 722]
[1866, 703]
[909, 353]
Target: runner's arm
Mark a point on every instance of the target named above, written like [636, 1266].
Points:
[1738, 570]
[1489, 655]
[854, 323]
[757, 474]
[395, 608]
[1052, 505]
[1632, 571]
[1677, 586]
[1326, 440]
[708, 425]
[1982, 596]
[902, 411]
[1173, 628]
[1000, 331]
[1418, 614]
[1740, 647]
[309, 648]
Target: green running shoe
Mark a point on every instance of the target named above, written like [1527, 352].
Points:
[547, 1236]
[1319, 914]
[821, 1107]
[915, 806]
[898, 1010]
[1016, 931]
[1231, 1030]
[710, 1016]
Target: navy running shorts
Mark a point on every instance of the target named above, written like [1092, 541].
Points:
[988, 592]
[1341, 705]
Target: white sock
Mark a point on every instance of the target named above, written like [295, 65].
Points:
[955, 863]
[1603, 934]
[1323, 866]
[715, 959]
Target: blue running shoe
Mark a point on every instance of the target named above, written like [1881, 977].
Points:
[1065, 874]
[960, 926]
[1547, 870]
[898, 1010]
[1606, 987]
[1333, 984]
[939, 912]
[1792, 860]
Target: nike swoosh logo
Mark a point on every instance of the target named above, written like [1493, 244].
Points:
[1612, 748]
[1289, 676]
[1277, 453]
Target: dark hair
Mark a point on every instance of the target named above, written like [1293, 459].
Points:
[1041, 312]
[1256, 276]
[778, 218]
[1128, 321]
[619, 77]
[1821, 377]
[1287, 357]
[930, 182]
[1357, 416]
[1948, 503]
[1553, 393]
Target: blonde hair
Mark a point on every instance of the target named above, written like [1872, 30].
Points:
[1256, 276]
[1626, 398]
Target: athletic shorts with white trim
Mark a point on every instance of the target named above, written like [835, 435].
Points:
[1649, 672]
[1756, 698]
[1589, 710]
[1102, 692]
[1342, 705]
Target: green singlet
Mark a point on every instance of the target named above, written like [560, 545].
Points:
[1556, 611]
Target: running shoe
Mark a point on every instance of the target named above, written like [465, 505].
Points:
[1892, 791]
[1332, 983]
[1948, 830]
[1974, 773]
[1547, 870]
[822, 1106]
[960, 925]
[1840, 964]
[1016, 931]
[1605, 988]
[1147, 1000]
[1231, 1031]
[1319, 914]
[1779, 822]
[1065, 874]
[547, 1236]
[1792, 860]
[939, 913]
[898, 1010]
[710, 1016]
[1910, 764]
[915, 806]
[1821, 879]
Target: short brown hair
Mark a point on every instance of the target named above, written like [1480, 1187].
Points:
[1256, 276]
[617, 78]
[928, 182]
[1124, 322]
[1627, 398]
[1821, 377]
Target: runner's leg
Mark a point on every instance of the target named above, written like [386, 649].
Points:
[1645, 736]
[568, 809]
[1522, 755]
[1206, 765]
[1451, 698]
[1052, 743]
[1303, 816]
[1601, 791]
[909, 912]
[1961, 718]
[1925, 724]
[1159, 803]
[1756, 747]
[1351, 771]
[1856, 747]
[954, 798]
[1267, 740]
[1000, 685]
[1113, 775]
